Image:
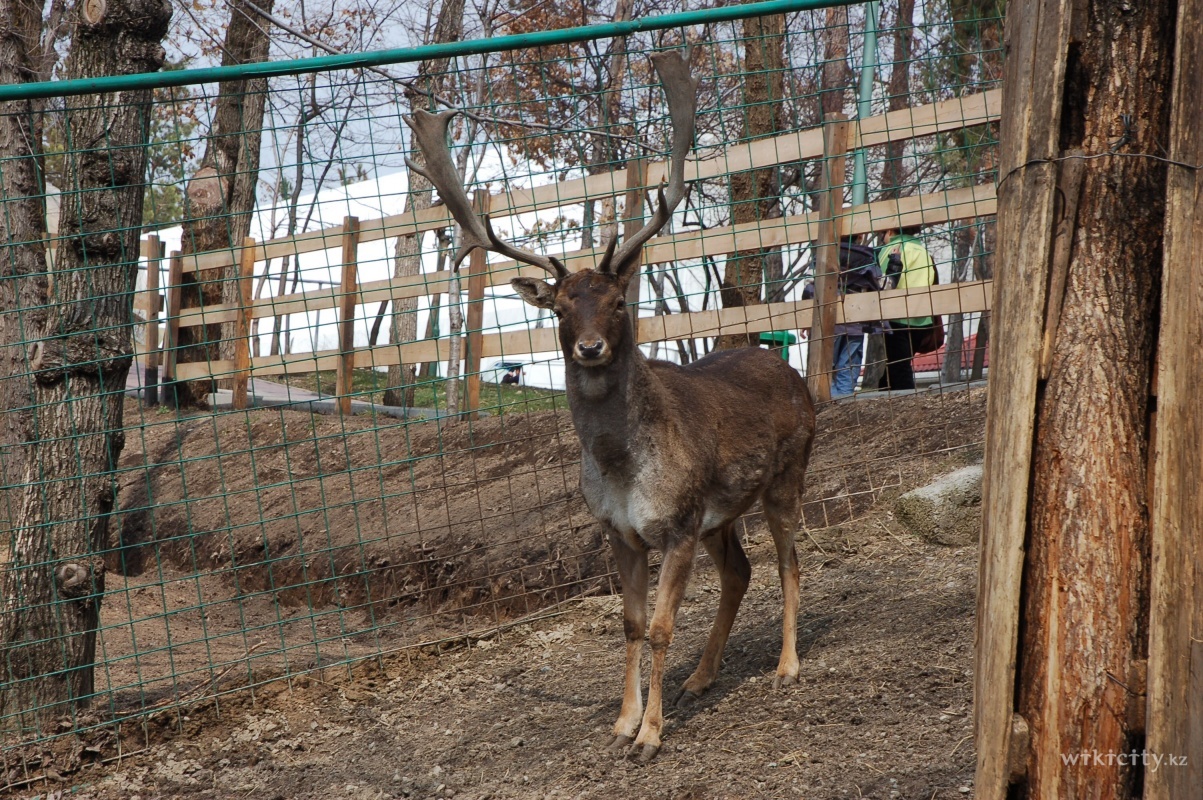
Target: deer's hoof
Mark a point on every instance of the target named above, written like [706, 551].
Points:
[620, 744]
[644, 754]
[782, 681]
[686, 698]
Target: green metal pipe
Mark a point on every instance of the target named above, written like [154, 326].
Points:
[864, 100]
[271, 69]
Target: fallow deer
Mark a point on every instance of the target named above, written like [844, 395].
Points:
[670, 455]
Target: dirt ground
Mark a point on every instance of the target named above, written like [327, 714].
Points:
[275, 542]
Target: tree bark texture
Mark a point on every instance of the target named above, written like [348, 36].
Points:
[23, 282]
[1083, 624]
[407, 255]
[220, 196]
[80, 354]
[755, 195]
[963, 238]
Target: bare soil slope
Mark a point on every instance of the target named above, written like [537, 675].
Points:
[353, 532]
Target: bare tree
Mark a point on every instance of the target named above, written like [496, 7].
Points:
[407, 255]
[220, 197]
[755, 195]
[895, 176]
[80, 355]
[22, 223]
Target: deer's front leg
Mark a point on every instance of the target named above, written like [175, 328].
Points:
[633, 572]
[674, 575]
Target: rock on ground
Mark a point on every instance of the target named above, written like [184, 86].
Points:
[947, 511]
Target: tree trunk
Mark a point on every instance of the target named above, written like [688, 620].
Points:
[755, 195]
[407, 256]
[894, 174]
[1083, 621]
[220, 197]
[81, 351]
[983, 267]
[23, 284]
[954, 348]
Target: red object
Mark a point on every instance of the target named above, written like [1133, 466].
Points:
[934, 362]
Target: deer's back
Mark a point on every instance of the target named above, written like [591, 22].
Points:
[731, 425]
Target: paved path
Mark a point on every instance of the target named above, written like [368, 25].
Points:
[264, 394]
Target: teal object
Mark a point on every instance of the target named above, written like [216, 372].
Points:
[377, 58]
[864, 100]
[782, 339]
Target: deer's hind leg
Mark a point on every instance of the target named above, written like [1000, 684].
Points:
[734, 575]
[783, 509]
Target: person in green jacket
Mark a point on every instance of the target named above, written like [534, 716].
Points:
[906, 264]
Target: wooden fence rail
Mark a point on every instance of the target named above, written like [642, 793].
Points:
[823, 227]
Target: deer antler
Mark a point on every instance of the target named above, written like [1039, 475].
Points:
[682, 91]
[431, 133]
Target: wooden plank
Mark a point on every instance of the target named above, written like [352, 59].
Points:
[156, 249]
[795, 146]
[925, 209]
[242, 328]
[631, 224]
[478, 269]
[1175, 690]
[346, 314]
[1033, 86]
[832, 180]
[964, 298]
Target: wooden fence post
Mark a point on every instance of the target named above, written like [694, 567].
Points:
[1175, 687]
[242, 325]
[347, 289]
[820, 352]
[1031, 121]
[632, 222]
[156, 249]
[175, 280]
[478, 268]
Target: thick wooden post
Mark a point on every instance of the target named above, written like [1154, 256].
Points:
[175, 281]
[1031, 119]
[820, 352]
[632, 222]
[1175, 689]
[150, 383]
[348, 287]
[478, 268]
[242, 325]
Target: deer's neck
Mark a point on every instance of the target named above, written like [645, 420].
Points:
[610, 405]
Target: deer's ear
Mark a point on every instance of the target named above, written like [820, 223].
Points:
[534, 291]
[628, 268]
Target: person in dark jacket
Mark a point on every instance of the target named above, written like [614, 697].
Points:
[906, 264]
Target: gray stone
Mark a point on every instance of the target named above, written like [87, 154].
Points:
[947, 511]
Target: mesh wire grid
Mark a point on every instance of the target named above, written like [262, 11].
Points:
[338, 518]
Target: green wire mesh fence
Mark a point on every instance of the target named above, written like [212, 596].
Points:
[338, 447]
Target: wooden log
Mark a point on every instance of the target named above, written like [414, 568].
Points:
[832, 179]
[478, 269]
[347, 300]
[242, 327]
[175, 280]
[1175, 690]
[1034, 80]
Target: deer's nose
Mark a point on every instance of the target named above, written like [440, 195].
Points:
[590, 349]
